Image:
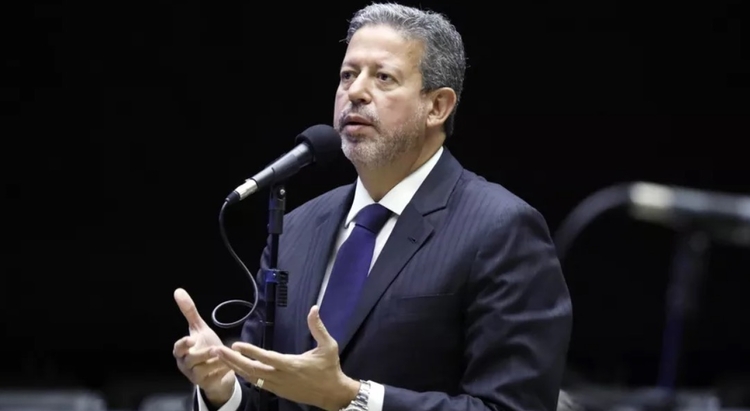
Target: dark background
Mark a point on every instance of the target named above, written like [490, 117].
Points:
[142, 117]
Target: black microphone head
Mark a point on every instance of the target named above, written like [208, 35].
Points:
[324, 142]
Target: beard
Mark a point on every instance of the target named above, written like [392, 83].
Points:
[381, 148]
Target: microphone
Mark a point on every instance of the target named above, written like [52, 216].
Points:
[670, 205]
[317, 144]
[723, 216]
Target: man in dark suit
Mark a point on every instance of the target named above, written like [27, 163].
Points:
[420, 287]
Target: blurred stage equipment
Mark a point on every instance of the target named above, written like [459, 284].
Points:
[167, 402]
[53, 400]
[698, 218]
[318, 144]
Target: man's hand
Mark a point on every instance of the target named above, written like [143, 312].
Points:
[194, 357]
[313, 378]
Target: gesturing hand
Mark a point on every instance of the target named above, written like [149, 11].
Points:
[313, 378]
[194, 357]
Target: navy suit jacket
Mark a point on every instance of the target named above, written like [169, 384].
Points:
[465, 309]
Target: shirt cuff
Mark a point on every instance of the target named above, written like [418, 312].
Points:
[375, 401]
[232, 405]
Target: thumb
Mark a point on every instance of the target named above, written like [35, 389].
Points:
[187, 307]
[318, 329]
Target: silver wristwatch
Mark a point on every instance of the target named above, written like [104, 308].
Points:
[361, 400]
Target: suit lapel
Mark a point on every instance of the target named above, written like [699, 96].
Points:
[412, 230]
[322, 242]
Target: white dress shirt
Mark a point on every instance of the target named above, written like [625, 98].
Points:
[395, 201]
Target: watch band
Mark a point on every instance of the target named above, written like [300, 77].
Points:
[362, 399]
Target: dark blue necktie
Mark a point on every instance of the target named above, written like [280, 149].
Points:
[350, 269]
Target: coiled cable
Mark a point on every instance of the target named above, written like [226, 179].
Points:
[254, 304]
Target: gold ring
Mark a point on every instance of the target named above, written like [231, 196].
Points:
[260, 382]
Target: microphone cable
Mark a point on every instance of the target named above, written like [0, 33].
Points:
[254, 304]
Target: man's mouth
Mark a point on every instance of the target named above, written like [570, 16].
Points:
[356, 121]
[355, 126]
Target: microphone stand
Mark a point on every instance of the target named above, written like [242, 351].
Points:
[688, 266]
[686, 272]
[275, 280]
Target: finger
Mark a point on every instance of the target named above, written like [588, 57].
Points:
[271, 358]
[182, 346]
[318, 329]
[247, 368]
[215, 377]
[249, 375]
[209, 369]
[187, 307]
[197, 356]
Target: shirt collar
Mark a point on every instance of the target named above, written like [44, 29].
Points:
[399, 196]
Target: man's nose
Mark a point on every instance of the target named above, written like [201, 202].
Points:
[359, 92]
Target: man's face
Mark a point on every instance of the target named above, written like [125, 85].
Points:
[380, 111]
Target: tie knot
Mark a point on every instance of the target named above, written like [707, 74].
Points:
[372, 217]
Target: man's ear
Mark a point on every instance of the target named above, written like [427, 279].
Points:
[443, 102]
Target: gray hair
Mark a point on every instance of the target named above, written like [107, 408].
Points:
[443, 62]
